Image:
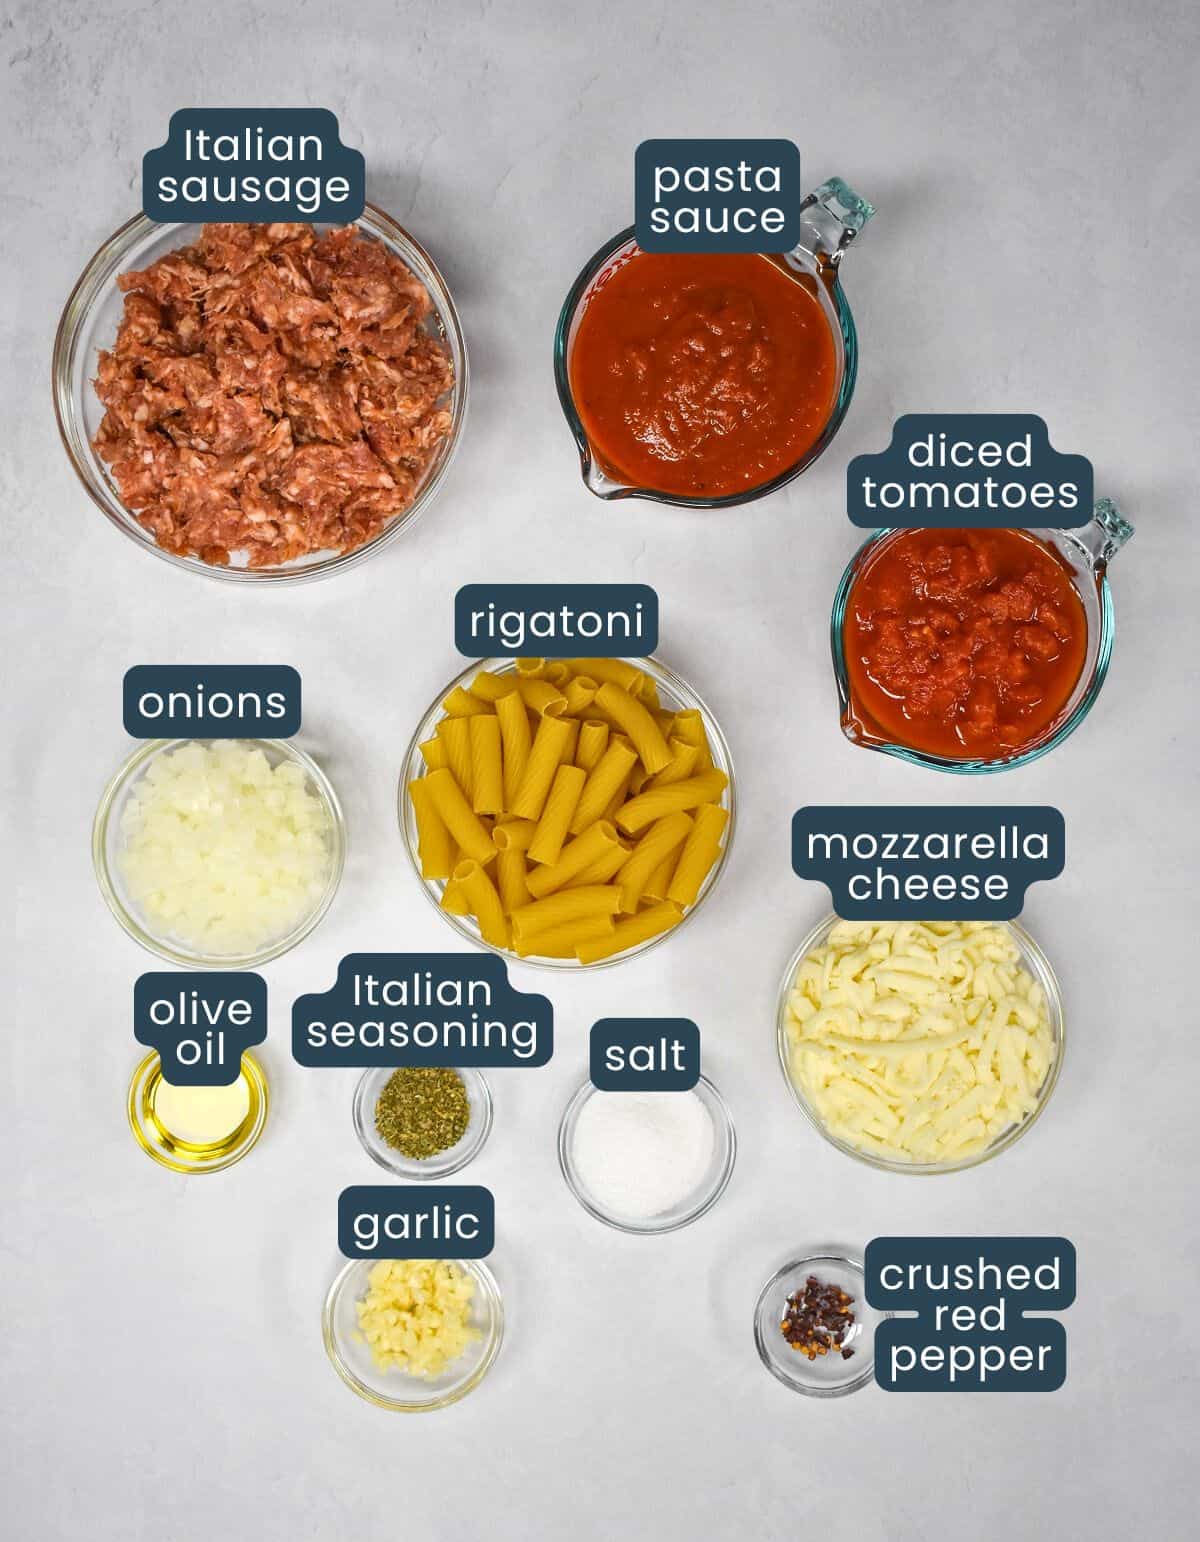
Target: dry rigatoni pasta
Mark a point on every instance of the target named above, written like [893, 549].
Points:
[690, 793]
[516, 740]
[455, 734]
[634, 719]
[605, 782]
[487, 774]
[436, 846]
[698, 855]
[575, 858]
[458, 816]
[586, 902]
[478, 892]
[660, 842]
[591, 745]
[557, 813]
[567, 808]
[580, 693]
[546, 755]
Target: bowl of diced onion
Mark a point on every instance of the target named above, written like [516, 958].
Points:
[557, 690]
[932, 1084]
[218, 854]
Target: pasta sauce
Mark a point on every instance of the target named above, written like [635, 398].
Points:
[704, 375]
[963, 643]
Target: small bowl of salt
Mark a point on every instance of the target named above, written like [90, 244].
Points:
[647, 1162]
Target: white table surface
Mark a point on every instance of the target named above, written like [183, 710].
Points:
[1035, 170]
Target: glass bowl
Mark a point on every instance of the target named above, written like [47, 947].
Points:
[441, 1165]
[106, 846]
[1038, 965]
[675, 694]
[827, 1375]
[90, 320]
[184, 1156]
[392, 1388]
[1087, 553]
[831, 217]
[714, 1183]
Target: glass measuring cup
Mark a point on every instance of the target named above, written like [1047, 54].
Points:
[1087, 553]
[830, 218]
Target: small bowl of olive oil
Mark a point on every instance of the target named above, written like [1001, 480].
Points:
[197, 1129]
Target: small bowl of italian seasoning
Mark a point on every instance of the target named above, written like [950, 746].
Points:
[422, 1121]
[813, 1328]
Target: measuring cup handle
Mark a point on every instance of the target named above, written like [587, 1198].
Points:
[1107, 533]
[830, 218]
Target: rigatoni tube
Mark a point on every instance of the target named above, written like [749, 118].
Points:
[578, 855]
[457, 814]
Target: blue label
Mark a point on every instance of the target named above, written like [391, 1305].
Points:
[200, 1022]
[970, 1296]
[928, 864]
[423, 1009]
[253, 165]
[645, 1054]
[982, 470]
[211, 701]
[717, 195]
[446, 1220]
[556, 621]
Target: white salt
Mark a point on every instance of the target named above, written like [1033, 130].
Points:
[639, 1154]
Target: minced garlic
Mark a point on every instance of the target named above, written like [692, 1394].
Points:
[415, 1316]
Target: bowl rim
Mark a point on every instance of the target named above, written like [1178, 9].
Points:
[724, 1135]
[485, 1281]
[826, 275]
[813, 1261]
[78, 308]
[1051, 738]
[1043, 972]
[413, 765]
[422, 1170]
[260, 1101]
[123, 777]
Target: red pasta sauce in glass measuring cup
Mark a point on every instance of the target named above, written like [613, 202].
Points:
[702, 375]
[966, 644]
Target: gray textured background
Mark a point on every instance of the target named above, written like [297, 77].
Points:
[1035, 171]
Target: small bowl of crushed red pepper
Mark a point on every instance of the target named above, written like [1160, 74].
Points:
[261, 402]
[710, 379]
[813, 1328]
[974, 650]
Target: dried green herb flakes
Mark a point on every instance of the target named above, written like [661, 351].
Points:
[422, 1110]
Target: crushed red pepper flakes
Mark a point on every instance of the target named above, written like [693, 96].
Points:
[818, 1319]
[272, 393]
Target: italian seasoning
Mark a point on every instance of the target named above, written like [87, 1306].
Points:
[422, 1111]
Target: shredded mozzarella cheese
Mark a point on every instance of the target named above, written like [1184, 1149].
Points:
[918, 1042]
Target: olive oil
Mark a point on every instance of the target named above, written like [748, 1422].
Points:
[196, 1129]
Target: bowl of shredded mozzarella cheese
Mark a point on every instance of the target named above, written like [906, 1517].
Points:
[218, 853]
[920, 1047]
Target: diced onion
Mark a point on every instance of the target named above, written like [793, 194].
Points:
[222, 852]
